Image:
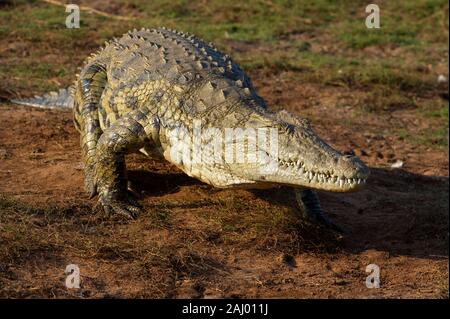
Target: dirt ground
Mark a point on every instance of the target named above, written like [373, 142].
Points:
[399, 222]
[195, 241]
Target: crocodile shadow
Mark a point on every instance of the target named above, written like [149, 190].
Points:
[397, 212]
[152, 183]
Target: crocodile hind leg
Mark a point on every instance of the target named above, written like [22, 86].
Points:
[310, 207]
[88, 91]
[127, 135]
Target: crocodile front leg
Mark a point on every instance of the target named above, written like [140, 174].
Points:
[310, 207]
[127, 135]
[89, 88]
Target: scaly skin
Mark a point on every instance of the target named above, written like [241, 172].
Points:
[138, 91]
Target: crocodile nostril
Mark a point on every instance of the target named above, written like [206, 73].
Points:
[349, 153]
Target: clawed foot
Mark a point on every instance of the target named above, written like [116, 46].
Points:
[310, 206]
[111, 202]
[125, 207]
[89, 181]
[324, 221]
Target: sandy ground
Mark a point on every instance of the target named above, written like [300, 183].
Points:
[213, 243]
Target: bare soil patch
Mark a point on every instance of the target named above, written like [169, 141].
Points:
[196, 241]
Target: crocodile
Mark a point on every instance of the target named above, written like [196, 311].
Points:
[152, 91]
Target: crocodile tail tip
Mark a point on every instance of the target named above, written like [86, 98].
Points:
[51, 100]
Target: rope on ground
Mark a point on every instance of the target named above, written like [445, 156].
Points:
[90, 10]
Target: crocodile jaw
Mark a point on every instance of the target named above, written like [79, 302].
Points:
[303, 159]
[296, 173]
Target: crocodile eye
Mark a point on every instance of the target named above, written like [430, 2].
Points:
[290, 128]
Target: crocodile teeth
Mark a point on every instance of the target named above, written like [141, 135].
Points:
[316, 177]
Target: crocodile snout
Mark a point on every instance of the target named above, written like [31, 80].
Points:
[353, 167]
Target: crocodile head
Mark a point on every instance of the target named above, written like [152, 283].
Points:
[302, 158]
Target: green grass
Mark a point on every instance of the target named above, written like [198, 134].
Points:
[255, 20]
[265, 22]
[406, 23]
[436, 109]
[356, 36]
[324, 43]
[436, 135]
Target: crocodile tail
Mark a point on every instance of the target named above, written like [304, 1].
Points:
[53, 100]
